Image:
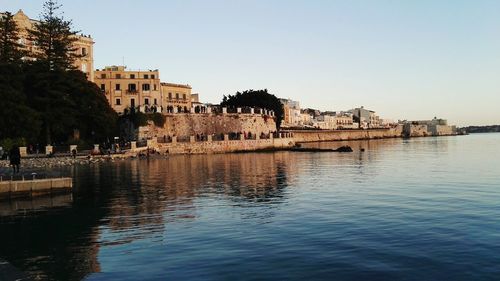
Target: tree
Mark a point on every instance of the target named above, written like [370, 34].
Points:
[17, 120]
[258, 98]
[55, 38]
[10, 50]
[67, 101]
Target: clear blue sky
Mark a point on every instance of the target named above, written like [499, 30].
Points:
[404, 59]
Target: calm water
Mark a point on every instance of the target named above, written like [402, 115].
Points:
[420, 209]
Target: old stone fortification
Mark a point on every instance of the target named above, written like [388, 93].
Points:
[340, 135]
[412, 130]
[224, 146]
[190, 124]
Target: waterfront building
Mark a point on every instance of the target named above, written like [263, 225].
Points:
[125, 89]
[367, 119]
[291, 111]
[306, 119]
[325, 122]
[334, 121]
[177, 97]
[344, 120]
[84, 45]
[433, 127]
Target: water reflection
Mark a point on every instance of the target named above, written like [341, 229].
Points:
[117, 203]
[30, 206]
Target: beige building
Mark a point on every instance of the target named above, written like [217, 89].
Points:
[291, 110]
[335, 121]
[344, 121]
[306, 119]
[126, 89]
[84, 46]
[177, 97]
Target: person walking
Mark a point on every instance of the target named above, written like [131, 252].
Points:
[15, 158]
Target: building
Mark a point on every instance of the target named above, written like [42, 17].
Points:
[344, 120]
[433, 127]
[177, 97]
[84, 46]
[126, 89]
[291, 114]
[325, 122]
[367, 119]
[306, 119]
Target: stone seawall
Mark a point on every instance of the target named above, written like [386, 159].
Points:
[185, 125]
[342, 135]
[209, 147]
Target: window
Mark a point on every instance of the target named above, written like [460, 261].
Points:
[103, 76]
[176, 96]
[146, 76]
[152, 76]
[103, 87]
[132, 76]
[154, 87]
[184, 96]
[146, 87]
[118, 102]
[169, 96]
[132, 87]
[146, 101]
[117, 87]
[132, 102]
[118, 76]
[84, 51]
[155, 102]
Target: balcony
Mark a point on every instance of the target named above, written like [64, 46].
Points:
[132, 92]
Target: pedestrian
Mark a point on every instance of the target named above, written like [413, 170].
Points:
[15, 158]
[73, 153]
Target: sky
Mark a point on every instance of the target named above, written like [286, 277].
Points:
[404, 59]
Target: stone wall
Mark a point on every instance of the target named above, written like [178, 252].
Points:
[188, 124]
[442, 130]
[340, 135]
[34, 187]
[411, 130]
[208, 147]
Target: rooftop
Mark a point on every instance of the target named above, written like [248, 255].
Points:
[176, 85]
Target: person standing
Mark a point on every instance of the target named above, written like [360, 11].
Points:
[15, 158]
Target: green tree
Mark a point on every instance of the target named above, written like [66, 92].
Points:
[17, 120]
[96, 120]
[55, 38]
[48, 93]
[10, 50]
[256, 98]
[67, 101]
